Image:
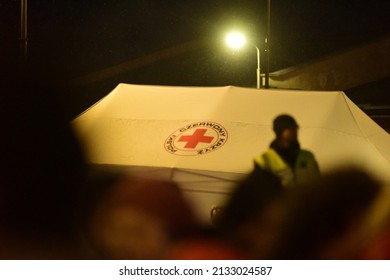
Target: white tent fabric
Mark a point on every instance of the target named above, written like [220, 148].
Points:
[205, 138]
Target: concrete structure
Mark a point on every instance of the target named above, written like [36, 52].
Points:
[363, 72]
[341, 71]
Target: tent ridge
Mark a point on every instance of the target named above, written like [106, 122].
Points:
[353, 116]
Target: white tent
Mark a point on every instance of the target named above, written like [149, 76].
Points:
[205, 138]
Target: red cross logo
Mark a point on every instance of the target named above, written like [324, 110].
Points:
[196, 138]
[199, 138]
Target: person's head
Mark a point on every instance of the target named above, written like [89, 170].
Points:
[322, 220]
[138, 218]
[251, 213]
[286, 130]
[251, 196]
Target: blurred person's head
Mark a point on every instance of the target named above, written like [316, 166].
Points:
[252, 212]
[139, 218]
[320, 219]
[373, 233]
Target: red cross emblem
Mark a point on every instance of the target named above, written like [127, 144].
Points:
[196, 138]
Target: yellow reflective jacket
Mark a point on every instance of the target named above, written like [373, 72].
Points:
[305, 169]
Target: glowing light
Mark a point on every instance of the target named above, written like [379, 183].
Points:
[235, 40]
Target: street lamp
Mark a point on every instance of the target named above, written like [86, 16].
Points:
[236, 40]
[23, 29]
[267, 47]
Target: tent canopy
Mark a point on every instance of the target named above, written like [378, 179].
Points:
[215, 132]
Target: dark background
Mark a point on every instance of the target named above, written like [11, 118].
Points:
[73, 38]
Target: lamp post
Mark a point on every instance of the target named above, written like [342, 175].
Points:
[258, 67]
[23, 29]
[236, 41]
[267, 41]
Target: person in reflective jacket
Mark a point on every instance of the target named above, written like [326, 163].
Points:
[285, 158]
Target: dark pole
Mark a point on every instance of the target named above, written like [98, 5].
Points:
[267, 48]
[23, 29]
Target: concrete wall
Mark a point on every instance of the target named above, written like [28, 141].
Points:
[348, 69]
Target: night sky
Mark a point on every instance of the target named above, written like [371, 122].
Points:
[77, 37]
